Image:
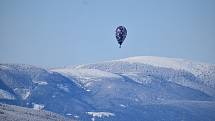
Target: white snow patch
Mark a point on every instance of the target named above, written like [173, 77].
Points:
[87, 77]
[4, 67]
[63, 87]
[6, 95]
[69, 114]
[121, 105]
[139, 78]
[100, 114]
[137, 100]
[24, 93]
[38, 106]
[88, 90]
[109, 87]
[40, 82]
[76, 116]
[87, 73]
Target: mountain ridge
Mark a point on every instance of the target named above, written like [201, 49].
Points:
[117, 90]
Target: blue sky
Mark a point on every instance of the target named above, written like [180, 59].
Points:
[54, 33]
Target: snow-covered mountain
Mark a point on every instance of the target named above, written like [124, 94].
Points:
[131, 89]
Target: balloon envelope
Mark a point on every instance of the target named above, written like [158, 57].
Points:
[121, 33]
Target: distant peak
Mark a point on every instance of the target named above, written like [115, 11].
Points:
[175, 63]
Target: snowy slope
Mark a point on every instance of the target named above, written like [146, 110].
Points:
[197, 68]
[38, 88]
[131, 89]
[187, 73]
[149, 83]
[87, 76]
[200, 70]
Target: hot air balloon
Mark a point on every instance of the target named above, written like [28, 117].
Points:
[121, 33]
